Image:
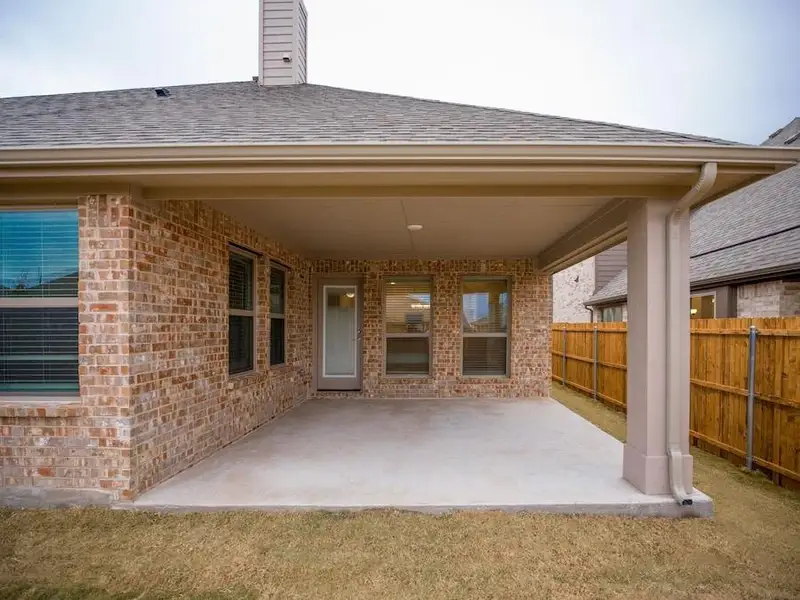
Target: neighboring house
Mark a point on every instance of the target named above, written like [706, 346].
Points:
[572, 287]
[745, 256]
[243, 247]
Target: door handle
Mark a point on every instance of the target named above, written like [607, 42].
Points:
[359, 333]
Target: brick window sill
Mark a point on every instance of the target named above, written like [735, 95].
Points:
[22, 406]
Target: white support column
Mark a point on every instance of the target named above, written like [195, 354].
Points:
[651, 315]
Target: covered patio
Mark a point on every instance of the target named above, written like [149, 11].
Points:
[320, 235]
[429, 455]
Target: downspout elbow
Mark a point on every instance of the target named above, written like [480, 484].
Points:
[700, 190]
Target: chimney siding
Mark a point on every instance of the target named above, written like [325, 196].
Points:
[283, 29]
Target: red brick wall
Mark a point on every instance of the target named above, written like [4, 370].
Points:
[187, 406]
[155, 392]
[156, 396]
[85, 443]
[529, 368]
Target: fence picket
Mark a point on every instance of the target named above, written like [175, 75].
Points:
[718, 371]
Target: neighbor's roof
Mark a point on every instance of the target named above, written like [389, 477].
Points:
[748, 233]
[247, 113]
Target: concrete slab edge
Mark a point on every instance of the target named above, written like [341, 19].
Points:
[668, 508]
[37, 497]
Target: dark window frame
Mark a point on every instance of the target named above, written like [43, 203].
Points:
[275, 316]
[247, 314]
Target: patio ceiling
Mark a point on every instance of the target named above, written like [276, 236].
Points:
[557, 203]
[491, 227]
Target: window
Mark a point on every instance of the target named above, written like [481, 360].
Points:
[485, 310]
[703, 306]
[407, 310]
[39, 301]
[277, 314]
[241, 306]
[610, 314]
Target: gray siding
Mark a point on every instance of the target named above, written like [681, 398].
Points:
[283, 32]
[302, 43]
[608, 264]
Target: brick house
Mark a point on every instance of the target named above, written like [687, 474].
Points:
[573, 286]
[181, 265]
[744, 262]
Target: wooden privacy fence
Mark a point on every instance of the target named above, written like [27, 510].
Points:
[596, 364]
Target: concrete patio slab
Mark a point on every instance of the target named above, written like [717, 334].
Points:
[424, 455]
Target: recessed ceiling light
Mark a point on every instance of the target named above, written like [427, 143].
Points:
[414, 227]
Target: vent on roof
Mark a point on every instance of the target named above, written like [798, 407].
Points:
[791, 140]
[162, 92]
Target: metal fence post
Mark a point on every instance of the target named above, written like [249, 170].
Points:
[564, 360]
[751, 392]
[594, 364]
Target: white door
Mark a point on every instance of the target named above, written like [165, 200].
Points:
[339, 335]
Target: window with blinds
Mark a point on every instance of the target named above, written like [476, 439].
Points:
[39, 301]
[277, 314]
[407, 317]
[485, 305]
[241, 308]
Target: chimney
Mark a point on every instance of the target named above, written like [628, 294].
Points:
[283, 26]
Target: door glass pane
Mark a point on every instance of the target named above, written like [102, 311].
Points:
[340, 329]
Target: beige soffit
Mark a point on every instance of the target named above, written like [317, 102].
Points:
[563, 164]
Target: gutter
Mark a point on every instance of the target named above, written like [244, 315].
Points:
[675, 376]
[768, 158]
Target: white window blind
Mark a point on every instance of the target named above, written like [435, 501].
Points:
[39, 301]
[485, 310]
[611, 314]
[241, 318]
[407, 315]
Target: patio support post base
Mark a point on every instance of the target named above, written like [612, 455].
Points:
[645, 462]
[649, 473]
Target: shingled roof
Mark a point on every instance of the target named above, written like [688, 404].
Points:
[248, 113]
[744, 235]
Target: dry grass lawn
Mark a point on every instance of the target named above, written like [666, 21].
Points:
[750, 550]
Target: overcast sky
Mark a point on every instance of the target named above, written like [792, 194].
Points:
[724, 68]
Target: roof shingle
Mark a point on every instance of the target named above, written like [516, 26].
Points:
[754, 230]
[247, 113]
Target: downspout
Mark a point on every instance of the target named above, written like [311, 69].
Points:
[675, 316]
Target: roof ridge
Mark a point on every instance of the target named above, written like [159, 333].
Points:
[687, 136]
